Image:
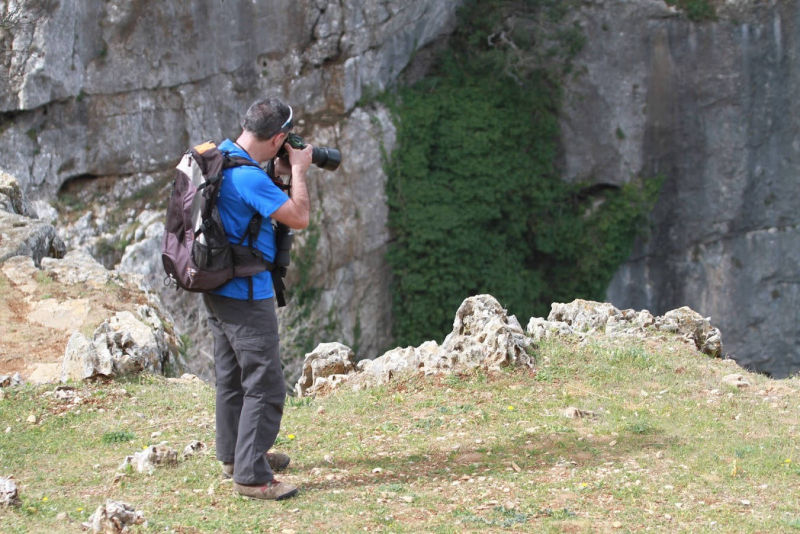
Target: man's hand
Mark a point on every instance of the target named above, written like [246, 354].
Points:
[295, 212]
[300, 160]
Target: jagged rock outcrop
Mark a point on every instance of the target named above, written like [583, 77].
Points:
[114, 517]
[12, 199]
[484, 336]
[20, 233]
[584, 318]
[708, 106]
[123, 345]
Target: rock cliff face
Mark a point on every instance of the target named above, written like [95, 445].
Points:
[96, 88]
[709, 106]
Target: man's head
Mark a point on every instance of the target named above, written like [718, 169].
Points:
[267, 117]
[265, 127]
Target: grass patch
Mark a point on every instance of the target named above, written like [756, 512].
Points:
[118, 436]
[664, 446]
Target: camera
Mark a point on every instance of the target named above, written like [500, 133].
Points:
[323, 157]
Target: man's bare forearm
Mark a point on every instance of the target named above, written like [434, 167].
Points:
[299, 194]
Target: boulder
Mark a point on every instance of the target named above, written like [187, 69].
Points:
[121, 345]
[485, 336]
[23, 236]
[20, 232]
[9, 496]
[79, 267]
[113, 518]
[12, 199]
[153, 456]
[583, 315]
[325, 361]
[195, 447]
[694, 328]
[539, 329]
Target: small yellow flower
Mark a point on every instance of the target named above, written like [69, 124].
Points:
[290, 436]
[787, 461]
[584, 484]
[80, 509]
[44, 499]
[510, 408]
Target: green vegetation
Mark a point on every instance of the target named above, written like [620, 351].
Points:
[476, 203]
[118, 436]
[663, 446]
[696, 10]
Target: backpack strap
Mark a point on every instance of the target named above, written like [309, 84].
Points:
[254, 228]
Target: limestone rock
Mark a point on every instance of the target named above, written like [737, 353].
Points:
[20, 232]
[153, 456]
[399, 360]
[114, 517]
[122, 345]
[324, 362]
[580, 317]
[195, 447]
[539, 329]
[20, 235]
[79, 267]
[694, 328]
[9, 496]
[10, 380]
[12, 199]
[483, 336]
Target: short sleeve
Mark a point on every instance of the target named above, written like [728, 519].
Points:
[259, 192]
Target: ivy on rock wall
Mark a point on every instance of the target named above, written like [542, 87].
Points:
[476, 203]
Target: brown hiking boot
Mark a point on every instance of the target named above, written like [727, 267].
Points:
[271, 491]
[278, 461]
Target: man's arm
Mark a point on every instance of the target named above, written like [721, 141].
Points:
[295, 212]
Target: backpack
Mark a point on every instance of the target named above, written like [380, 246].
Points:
[195, 251]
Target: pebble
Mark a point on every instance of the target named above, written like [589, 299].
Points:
[32, 419]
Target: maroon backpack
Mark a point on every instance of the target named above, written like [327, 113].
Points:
[195, 251]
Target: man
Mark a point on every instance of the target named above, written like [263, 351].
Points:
[249, 379]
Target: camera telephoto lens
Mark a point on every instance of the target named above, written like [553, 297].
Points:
[326, 158]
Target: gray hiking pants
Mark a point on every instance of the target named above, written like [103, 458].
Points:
[250, 385]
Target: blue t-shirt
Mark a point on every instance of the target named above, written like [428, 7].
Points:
[246, 190]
